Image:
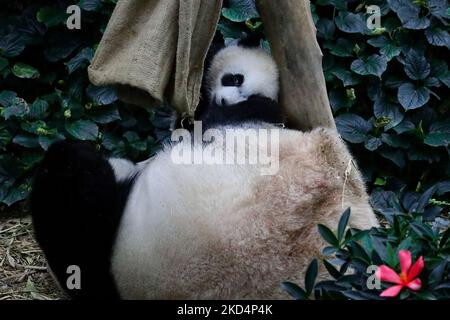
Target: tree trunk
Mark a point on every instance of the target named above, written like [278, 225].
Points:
[292, 35]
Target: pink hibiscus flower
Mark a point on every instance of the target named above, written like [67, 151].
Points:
[406, 278]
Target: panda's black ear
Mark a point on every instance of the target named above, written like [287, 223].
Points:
[252, 40]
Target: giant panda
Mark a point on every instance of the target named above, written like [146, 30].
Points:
[164, 229]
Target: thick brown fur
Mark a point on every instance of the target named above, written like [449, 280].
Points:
[265, 234]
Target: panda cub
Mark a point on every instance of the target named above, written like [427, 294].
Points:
[164, 230]
[241, 85]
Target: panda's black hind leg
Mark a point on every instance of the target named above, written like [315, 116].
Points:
[75, 216]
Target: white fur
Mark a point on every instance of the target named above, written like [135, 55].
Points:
[208, 231]
[123, 168]
[259, 69]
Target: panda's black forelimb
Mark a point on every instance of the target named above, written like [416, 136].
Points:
[76, 207]
[255, 108]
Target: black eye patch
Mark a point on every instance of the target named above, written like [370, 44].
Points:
[232, 80]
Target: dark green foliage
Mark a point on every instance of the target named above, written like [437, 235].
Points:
[389, 87]
[360, 249]
[45, 93]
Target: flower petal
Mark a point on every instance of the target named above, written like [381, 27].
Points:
[405, 260]
[416, 269]
[384, 273]
[392, 291]
[415, 285]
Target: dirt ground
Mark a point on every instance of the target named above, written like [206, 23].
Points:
[23, 271]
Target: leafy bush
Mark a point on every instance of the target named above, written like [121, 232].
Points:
[352, 252]
[45, 93]
[389, 87]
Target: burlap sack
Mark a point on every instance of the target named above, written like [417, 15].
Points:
[153, 49]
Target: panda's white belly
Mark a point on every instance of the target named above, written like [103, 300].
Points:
[226, 231]
[171, 210]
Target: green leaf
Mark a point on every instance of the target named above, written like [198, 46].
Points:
[101, 94]
[240, 10]
[3, 63]
[83, 129]
[416, 66]
[373, 143]
[325, 28]
[395, 155]
[354, 295]
[439, 8]
[431, 82]
[437, 139]
[395, 141]
[341, 47]
[411, 97]
[332, 270]
[348, 78]
[408, 13]
[22, 70]
[439, 135]
[389, 111]
[7, 97]
[339, 99]
[438, 37]
[353, 128]
[294, 290]
[445, 238]
[111, 141]
[379, 42]
[328, 235]
[26, 140]
[404, 126]
[253, 25]
[373, 65]
[16, 193]
[12, 44]
[60, 47]
[338, 4]
[343, 221]
[422, 230]
[81, 60]
[390, 51]
[391, 255]
[387, 47]
[38, 108]
[18, 108]
[231, 30]
[105, 114]
[380, 182]
[351, 22]
[45, 141]
[420, 153]
[51, 16]
[310, 276]
[90, 5]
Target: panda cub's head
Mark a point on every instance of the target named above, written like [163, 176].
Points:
[240, 71]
